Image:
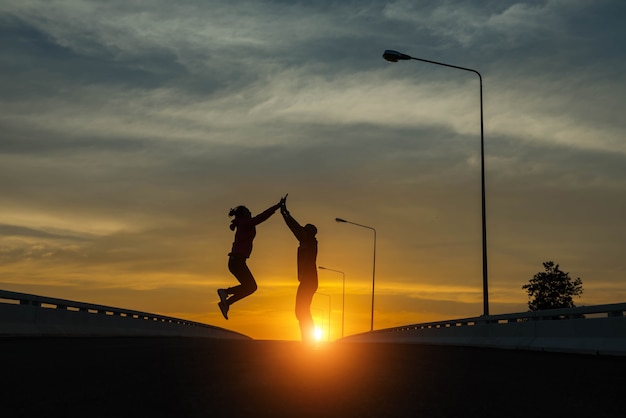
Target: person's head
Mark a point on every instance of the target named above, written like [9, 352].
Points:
[240, 212]
[311, 229]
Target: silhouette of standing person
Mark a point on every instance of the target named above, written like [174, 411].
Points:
[244, 226]
[307, 271]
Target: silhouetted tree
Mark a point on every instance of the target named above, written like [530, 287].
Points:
[552, 289]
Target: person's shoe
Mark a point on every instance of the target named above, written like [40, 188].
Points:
[224, 308]
[223, 294]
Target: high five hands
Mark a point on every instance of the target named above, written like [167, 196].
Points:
[283, 204]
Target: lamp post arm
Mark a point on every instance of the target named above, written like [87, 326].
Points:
[451, 66]
[364, 226]
[326, 268]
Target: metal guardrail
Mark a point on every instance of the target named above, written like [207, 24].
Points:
[609, 311]
[598, 329]
[23, 314]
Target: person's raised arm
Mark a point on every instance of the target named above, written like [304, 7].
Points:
[263, 216]
[296, 228]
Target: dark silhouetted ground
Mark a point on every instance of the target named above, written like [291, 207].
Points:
[188, 377]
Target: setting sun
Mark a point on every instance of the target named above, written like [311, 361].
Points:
[318, 334]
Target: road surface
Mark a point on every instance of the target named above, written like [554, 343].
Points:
[189, 377]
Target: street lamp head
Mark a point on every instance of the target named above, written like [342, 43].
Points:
[340, 220]
[395, 56]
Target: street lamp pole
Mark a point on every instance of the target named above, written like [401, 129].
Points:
[343, 295]
[374, 266]
[395, 56]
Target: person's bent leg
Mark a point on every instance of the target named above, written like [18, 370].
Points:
[239, 269]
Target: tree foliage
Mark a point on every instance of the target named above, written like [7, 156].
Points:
[552, 289]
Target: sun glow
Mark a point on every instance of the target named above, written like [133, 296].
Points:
[318, 334]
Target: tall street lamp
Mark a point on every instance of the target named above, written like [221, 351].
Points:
[395, 56]
[373, 269]
[343, 295]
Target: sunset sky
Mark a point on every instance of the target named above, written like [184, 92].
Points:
[128, 129]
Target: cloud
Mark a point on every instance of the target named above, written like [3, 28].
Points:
[20, 231]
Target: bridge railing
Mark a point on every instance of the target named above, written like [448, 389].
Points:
[23, 314]
[598, 329]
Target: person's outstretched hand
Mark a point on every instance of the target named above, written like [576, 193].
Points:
[283, 204]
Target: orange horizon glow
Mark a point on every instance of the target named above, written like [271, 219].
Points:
[269, 313]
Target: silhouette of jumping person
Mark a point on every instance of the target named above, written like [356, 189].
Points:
[307, 271]
[244, 226]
